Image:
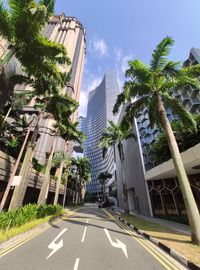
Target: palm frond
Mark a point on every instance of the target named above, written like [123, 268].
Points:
[178, 109]
[153, 112]
[120, 100]
[186, 81]
[138, 71]
[159, 55]
[192, 71]
[171, 69]
[135, 107]
[5, 25]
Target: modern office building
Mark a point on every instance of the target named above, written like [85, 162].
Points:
[99, 111]
[163, 186]
[138, 196]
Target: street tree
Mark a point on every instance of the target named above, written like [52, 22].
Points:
[115, 135]
[103, 178]
[152, 87]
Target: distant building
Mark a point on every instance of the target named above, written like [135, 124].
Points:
[99, 111]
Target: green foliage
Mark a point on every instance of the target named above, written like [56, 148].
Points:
[147, 85]
[185, 138]
[82, 167]
[29, 212]
[37, 166]
[115, 134]
[103, 177]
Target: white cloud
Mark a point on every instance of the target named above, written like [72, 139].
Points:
[118, 54]
[99, 47]
[124, 62]
[82, 110]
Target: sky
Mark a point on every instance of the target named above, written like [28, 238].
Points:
[122, 30]
[118, 31]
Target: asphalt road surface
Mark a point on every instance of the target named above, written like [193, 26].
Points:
[89, 240]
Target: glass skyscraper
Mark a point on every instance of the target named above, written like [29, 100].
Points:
[99, 111]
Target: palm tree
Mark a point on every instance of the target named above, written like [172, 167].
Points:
[83, 170]
[115, 135]
[22, 26]
[103, 177]
[62, 107]
[68, 132]
[152, 87]
[50, 103]
[62, 163]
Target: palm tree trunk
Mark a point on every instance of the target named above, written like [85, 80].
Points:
[58, 182]
[80, 191]
[5, 196]
[126, 206]
[190, 204]
[125, 193]
[65, 192]
[46, 181]
[7, 114]
[19, 191]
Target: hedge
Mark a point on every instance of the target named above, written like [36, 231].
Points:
[29, 212]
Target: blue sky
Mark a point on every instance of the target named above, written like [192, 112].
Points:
[120, 30]
[130, 29]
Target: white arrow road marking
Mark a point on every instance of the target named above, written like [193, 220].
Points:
[119, 244]
[85, 229]
[56, 246]
[76, 264]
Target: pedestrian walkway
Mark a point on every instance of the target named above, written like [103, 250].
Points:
[179, 227]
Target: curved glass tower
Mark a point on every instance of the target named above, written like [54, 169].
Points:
[99, 111]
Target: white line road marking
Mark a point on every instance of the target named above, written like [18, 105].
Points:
[56, 246]
[119, 244]
[76, 264]
[85, 229]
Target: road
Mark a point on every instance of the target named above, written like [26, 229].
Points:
[88, 240]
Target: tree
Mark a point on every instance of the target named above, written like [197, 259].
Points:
[152, 87]
[83, 170]
[50, 104]
[103, 177]
[21, 25]
[115, 135]
[61, 107]
[185, 139]
[62, 163]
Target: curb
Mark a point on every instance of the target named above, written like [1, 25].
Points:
[168, 250]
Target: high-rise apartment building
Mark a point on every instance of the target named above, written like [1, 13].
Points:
[99, 111]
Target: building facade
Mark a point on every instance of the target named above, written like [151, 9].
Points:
[99, 111]
[69, 32]
[163, 186]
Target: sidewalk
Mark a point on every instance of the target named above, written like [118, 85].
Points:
[179, 227]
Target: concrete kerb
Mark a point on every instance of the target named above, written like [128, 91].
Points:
[20, 238]
[168, 250]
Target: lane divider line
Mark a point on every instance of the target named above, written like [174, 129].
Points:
[159, 257]
[84, 233]
[76, 263]
[16, 245]
[26, 239]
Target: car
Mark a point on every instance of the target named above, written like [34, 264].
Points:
[105, 204]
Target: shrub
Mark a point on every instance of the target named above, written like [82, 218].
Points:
[29, 212]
